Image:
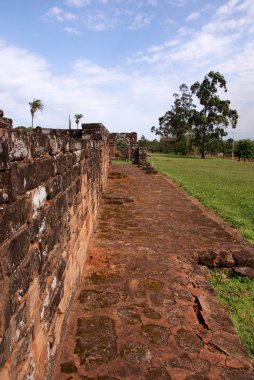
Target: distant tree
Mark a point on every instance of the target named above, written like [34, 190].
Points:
[77, 117]
[23, 128]
[215, 114]
[245, 149]
[143, 141]
[176, 122]
[35, 105]
[182, 146]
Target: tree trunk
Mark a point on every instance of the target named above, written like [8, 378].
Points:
[203, 143]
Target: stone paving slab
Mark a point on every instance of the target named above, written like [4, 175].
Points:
[144, 309]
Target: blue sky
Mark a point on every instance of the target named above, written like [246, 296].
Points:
[119, 62]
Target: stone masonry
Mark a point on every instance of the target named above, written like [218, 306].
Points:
[50, 186]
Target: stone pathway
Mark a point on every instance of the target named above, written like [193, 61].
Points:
[144, 309]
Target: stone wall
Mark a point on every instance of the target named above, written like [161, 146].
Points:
[4, 121]
[50, 186]
[131, 140]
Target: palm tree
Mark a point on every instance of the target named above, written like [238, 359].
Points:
[35, 105]
[78, 116]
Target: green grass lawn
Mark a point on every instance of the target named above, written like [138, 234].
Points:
[227, 187]
[237, 294]
[223, 185]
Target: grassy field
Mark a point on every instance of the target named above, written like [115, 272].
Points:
[237, 294]
[223, 185]
[226, 187]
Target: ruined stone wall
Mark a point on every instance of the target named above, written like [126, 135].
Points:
[130, 138]
[4, 121]
[50, 185]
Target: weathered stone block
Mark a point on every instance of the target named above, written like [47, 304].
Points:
[53, 145]
[76, 170]
[13, 216]
[69, 159]
[5, 187]
[45, 169]
[39, 144]
[40, 223]
[20, 281]
[54, 186]
[4, 160]
[244, 258]
[245, 272]
[209, 258]
[60, 206]
[66, 179]
[226, 259]
[24, 177]
[17, 250]
[19, 146]
[60, 163]
[50, 239]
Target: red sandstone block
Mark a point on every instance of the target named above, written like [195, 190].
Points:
[69, 159]
[13, 216]
[60, 206]
[24, 177]
[54, 186]
[70, 194]
[45, 169]
[53, 145]
[39, 144]
[60, 163]
[19, 145]
[49, 241]
[17, 250]
[40, 222]
[4, 160]
[66, 179]
[76, 170]
[21, 279]
[5, 187]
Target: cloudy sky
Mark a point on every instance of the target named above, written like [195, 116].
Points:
[120, 61]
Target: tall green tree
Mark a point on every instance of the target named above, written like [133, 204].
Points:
[35, 105]
[245, 149]
[214, 114]
[77, 117]
[176, 122]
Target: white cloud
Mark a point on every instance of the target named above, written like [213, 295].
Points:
[193, 16]
[102, 95]
[72, 31]
[77, 3]
[99, 21]
[178, 3]
[59, 14]
[153, 3]
[134, 95]
[140, 20]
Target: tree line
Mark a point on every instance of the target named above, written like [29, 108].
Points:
[242, 149]
[199, 125]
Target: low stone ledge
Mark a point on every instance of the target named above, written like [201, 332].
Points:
[245, 272]
[241, 262]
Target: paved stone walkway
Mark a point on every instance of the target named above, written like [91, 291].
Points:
[144, 309]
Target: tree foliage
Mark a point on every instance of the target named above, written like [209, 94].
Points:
[203, 124]
[176, 122]
[245, 149]
[77, 117]
[215, 114]
[35, 105]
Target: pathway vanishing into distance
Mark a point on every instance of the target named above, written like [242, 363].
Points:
[144, 309]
